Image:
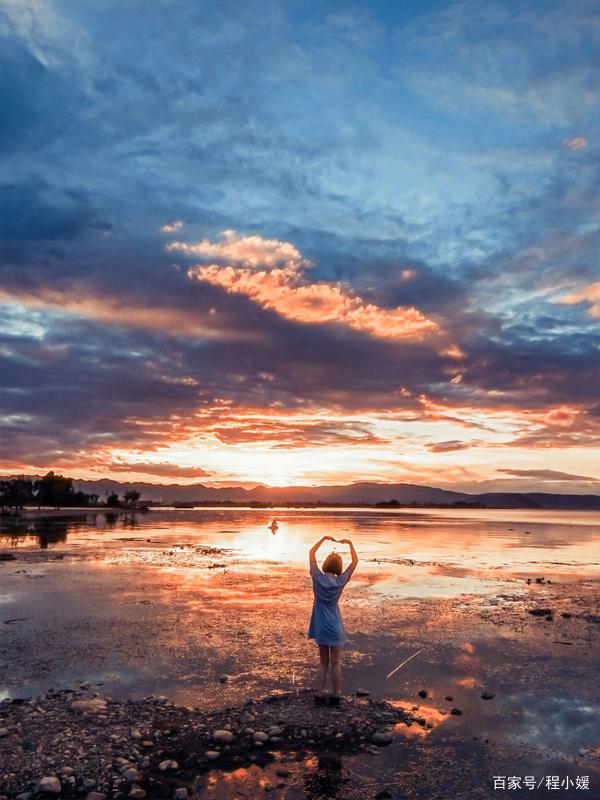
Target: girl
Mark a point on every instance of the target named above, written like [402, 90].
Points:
[326, 621]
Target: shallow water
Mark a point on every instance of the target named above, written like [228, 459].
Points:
[168, 601]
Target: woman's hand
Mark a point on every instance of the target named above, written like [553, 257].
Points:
[345, 541]
[329, 539]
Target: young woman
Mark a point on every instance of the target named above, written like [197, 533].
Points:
[326, 625]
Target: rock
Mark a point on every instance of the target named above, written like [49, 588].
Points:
[222, 737]
[449, 698]
[169, 763]
[566, 615]
[423, 693]
[132, 775]
[181, 793]
[212, 754]
[135, 734]
[3, 732]
[223, 678]
[95, 796]
[94, 705]
[283, 773]
[49, 785]
[275, 731]
[384, 794]
[487, 695]
[381, 738]
[89, 783]
[456, 712]
[540, 612]
[362, 693]
[260, 736]
[137, 793]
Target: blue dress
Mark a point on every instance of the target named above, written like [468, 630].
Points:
[326, 624]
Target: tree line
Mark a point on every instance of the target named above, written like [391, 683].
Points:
[56, 491]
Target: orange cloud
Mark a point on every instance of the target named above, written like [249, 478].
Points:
[586, 294]
[272, 274]
[172, 227]
[575, 143]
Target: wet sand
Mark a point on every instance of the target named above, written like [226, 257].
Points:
[168, 603]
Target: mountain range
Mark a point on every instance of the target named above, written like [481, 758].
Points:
[354, 493]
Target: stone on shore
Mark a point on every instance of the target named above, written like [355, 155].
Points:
[168, 763]
[381, 738]
[222, 737]
[49, 785]
[93, 705]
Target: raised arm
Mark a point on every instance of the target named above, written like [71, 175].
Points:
[312, 553]
[353, 555]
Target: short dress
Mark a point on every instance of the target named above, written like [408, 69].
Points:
[326, 625]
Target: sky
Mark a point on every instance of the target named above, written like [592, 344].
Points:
[301, 242]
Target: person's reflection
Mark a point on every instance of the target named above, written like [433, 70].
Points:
[326, 780]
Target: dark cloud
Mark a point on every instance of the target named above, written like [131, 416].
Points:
[548, 475]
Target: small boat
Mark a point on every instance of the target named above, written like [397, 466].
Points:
[274, 526]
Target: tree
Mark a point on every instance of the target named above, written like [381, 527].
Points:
[112, 501]
[55, 490]
[16, 493]
[131, 497]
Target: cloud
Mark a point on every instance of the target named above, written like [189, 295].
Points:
[547, 475]
[575, 143]
[272, 274]
[162, 469]
[586, 294]
[449, 446]
[172, 227]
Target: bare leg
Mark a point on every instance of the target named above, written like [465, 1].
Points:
[336, 669]
[323, 667]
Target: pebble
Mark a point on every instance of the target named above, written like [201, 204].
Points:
[487, 695]
[456, 712]
[449, 698]
[132, 775]
[362, 692]
[137, 793]
[181, 793]
[223, 678]
[94, 705]
[95, 796]
[212, 754]
[168, 764]
[423, 693]
[384, 794]
[381, 738]
[260, 736]
[49, 785]
[222, 737]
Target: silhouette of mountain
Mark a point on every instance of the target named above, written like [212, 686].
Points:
[361, 492]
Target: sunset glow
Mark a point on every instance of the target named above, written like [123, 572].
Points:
[349, 256]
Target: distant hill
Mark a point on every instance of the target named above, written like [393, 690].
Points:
[361, 493]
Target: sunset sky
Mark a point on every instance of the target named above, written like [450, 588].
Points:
[302, 242]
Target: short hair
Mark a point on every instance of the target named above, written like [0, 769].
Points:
[333, 564]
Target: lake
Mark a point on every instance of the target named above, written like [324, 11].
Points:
[170, 601]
